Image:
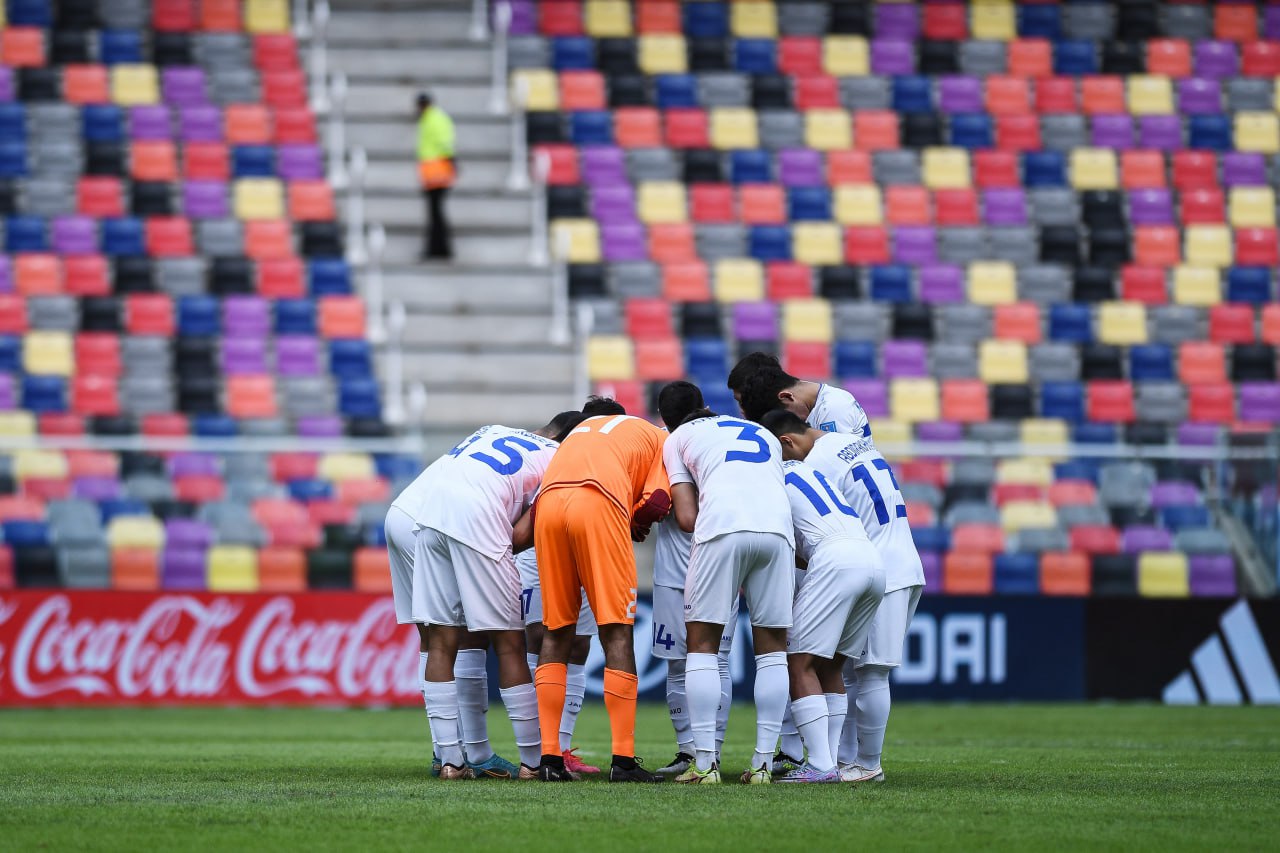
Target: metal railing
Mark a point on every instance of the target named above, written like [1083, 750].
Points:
[584, 323]
[336, 136]
[480, 20]
[393, 409]
[538, 224]
[357, 255]
[374, 287]
[318, 57]
[501, 25]
[518, 175]
[560, 333]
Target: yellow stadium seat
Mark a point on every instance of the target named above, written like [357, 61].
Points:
[4, 15]
[1002, 362]
[663, 54]
[583, 240]
[661, 201]
[891, 433]
[1208, 245]
[739, 280]
[259, 198]
[537, 87]
[806, 320]
[1150, 94]
[913, 400]
[39, 464]
[828, 130]
[1257, 131]
[134, 85]
[753, 19]
[231, 568]
[1027, 515]
[266, 16]
[48, 354]
[992, 283]
[1122, 323]
[734, 127]
[1196, 285]
[845, 56]
[608, 18]
[1031, 470]
[346, 466]
[1093, 169]
[1163, 574]
[858, 204]
[135, 531]
[817, 243]
[1042, 434]
[945, 168]
[992, 19]
[17, 424]
[610, 357]
[1252, 206]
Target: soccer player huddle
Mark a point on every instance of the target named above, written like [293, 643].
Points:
[788, 510]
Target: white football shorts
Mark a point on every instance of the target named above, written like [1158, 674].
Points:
[834, 608]
[889, 628]
[668, 625]
[400, 542]
[762, 565]
[457, 585]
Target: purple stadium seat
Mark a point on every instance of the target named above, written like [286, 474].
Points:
[1151, 207]
[905, 358]
[150, 122]
[623, 241]
[297, 355]
[74, 235]
[1162, 133]
[248, 316]
[524, 17]
[1244, 169]
[1199, 96]
[201, 123]
[1260, 402]
[6, 83]
[8, 399]
[915, 244]
[932, 571]
[1271, 22]
[299, 162]
[182, 568]
[801, 167]
[755, 321]
[6, 275]
[320, 426]
[960, 94]
[183, 87]
[96, 488]
[897, 21]
[614, 203]
[1144, 537]
[1212, 574]
[194, 464]
[940, 431]
[1113, 131]
[187, 533]
[872, 394]
[244, 355]
[941, 283]
[205, 200]
[1216, 59]
[893, 56]
[1174, 494]
[1005, 206]
[603, 164]
[1198, 435]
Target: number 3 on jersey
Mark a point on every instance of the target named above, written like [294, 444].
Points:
[747, 433]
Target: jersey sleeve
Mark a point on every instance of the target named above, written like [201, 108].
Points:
[655, 495]
[676, 470]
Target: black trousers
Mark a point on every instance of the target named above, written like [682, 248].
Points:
[437, 239]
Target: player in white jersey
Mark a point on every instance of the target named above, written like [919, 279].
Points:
[670, 566]
[576, 673]
[457, 520]
[727, 490]
[759, 384]
[833, 609]
[866, 481]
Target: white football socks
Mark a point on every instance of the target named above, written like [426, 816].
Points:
[726, 701]
[575, 691]
[771, 703]
[848, 750]
[532, 661]
[791, 744]
[837, 710]
[702, 688]
[522, 707]
[810, 713]
[473, 703]
[441, 698]
[873, 714]
[678, 707]
[422, 688]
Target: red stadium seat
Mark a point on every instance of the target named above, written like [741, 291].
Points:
[1019, 321]
[686, 128]
[169, 237]
[659, 360]
[97, 354]
[806, 358]
[293, 466]
[22, 47]
[1194, 170]
[1170, 57]
[799, 55]
[282, 570]
[1102, 94]
[1056, 95]
[268, 238]
[1202, 206]
[85, 84]
[199, 488]
[86, 275]
[220, 15]
[99, 196]
[166, 424]
[92, 463]
[1231, 323]
[649, 319]
[1157, 246]
[372, 571]
[1257, 247]
[363, 490]
[930, 471]
[149, 314]
[135, 569]
[246, 124]
[173, 15]
[153, 160]
[1030, 57]
[582, 90]
[1142, 170]
[762, 204]
[281, 278]
[67, 424]
[866, 244]
[1095, 539]
[560, 18]
[788, 280]
[284, 88]
[1003, 493]
[658, 16]
[686, 282]
[1213, 403]
[956, 207]
[293, 126]
[978, 538]
[1110, 401]
[907, 205]
[1065, 573]
[1007, 95]
[1019, 132]
[996, 169]
[848, 167]
[206, 161]
[1143, 284]
[37, 273]
[944, 21]
[311, 201]
[638, 127]
[711, 203]
[1235, 22]
[816, 91]
[94, 394]
[1271, 324]
[1072, 492]
[965, 401]
[966, 573]
[672, 243]
[1201, 363]
[1260, 59]
[876, 130]
[13, 314]
[275, 52]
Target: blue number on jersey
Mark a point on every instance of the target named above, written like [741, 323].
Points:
[526, 601]
[901, 510]
[514, 461]
[863, 476]
[666, 642]
[747, 432]
[794, 479]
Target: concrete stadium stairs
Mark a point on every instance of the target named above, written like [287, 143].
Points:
[477, 331]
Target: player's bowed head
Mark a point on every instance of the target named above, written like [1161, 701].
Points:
[795, 436]
[760, 385]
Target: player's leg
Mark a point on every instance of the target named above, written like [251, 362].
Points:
[520, 700]
[883, 654]
[533, 641]
[790, 753]
[669, 645]
[837, 702]
[576, 685]
[726, 678]
[398, 528]
[472, 677]
[438, 603]
[767, 579]
[561, 597]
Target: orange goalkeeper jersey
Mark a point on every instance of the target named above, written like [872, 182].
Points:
[621, 456]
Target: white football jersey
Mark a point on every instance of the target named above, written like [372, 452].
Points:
[865, 479]
[737, 468]
[476, 492]
[836, 410]
[818, 510]
[671, 554]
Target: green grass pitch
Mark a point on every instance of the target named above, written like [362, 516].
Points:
[963, 776]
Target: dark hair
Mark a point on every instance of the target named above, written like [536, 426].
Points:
[562, 424]
[676, 400]
[748, 365]
[423, 100]
[695, 415]
[597, 405]
[759, 391]
[782, 422]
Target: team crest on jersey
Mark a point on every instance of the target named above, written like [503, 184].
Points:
[828, 426]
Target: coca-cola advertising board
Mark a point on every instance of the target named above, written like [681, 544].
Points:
[68, 647]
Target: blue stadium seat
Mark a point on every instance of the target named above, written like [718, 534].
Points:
[591, 127]
[13, 122]
[1183, 517]
[1070, 322]
[199, 316]
[769, 243]
[358, 398]
[1249, 284]
[755, 56]
[375, 536]
[1063, 400]
[120, 47]
[1039, 21]
[115, 507]
[890, 283]
[396, 466]
[573, 53]
[102, 123]
[708, 359]
[329, 277]
[1077, 469]
[1044, 169]
[706, 20]
[937, 538]
[855, 360]
[13, 159]
[1017, 574]
[310, 489]
[253, 161]
[809, 203]
[123, 236]
[214, 426]
[27, 234]
[1072, 58]
[675, 90]
[750, 167]
[10, 354]
[1150, 362]
[719, 399]
[295, 317]
[912, 94]
[44, 393]
[30, 13]
[21, 533]
[972, 131]
[1209, 132]
[350, 359]
[1094, 433]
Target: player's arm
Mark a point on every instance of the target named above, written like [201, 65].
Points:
[655, 494]
[522, 533]
[685, 498]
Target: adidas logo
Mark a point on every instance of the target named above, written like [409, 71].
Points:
[1217, 679]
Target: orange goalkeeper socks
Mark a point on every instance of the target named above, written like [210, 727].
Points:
[549, 680]
[620, 700]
